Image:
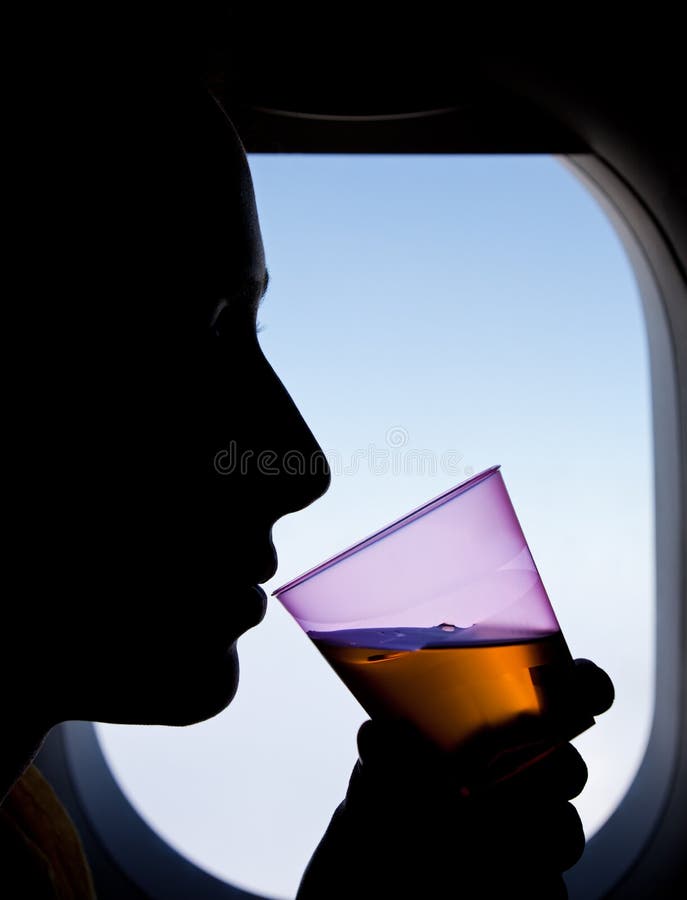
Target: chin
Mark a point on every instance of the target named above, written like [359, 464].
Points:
[205, 694]
[175, 697]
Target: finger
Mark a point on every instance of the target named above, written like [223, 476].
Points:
[396, 766]
[535, 834]
[496, 753]
[566, 837]
[560, 774]
[595, 687]
[394, 744]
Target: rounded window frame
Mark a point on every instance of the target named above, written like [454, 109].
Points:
[130, 860]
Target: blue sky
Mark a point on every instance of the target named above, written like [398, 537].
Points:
[462, 310]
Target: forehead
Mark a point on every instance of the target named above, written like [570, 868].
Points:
[198, 190]
[154, 191]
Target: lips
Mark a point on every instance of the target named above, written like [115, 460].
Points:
[267, 569]
[252, 606]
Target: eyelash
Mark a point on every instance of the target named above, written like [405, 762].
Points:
[221, 318]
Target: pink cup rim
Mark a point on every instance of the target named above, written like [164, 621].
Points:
[417, 513]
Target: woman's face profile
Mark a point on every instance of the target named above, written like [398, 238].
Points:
[165, 426]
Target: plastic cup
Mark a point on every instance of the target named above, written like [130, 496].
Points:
[441, 620]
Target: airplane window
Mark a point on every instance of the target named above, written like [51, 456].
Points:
[431, 316]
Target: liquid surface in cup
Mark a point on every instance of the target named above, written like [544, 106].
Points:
[450, 682]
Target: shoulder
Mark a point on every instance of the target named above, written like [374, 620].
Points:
[40, 848]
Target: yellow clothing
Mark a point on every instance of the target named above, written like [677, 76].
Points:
[41, 855]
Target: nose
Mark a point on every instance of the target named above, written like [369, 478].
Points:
[271, 464]
[293, 472]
